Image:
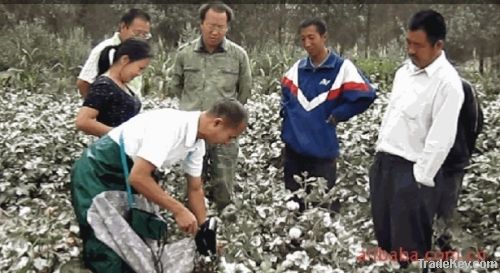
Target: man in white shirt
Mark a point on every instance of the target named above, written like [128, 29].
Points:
[135, 23]
[417, 132]
[151, 140]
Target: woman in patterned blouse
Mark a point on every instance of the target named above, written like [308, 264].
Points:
[110, 102]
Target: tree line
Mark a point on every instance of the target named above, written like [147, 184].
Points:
[363, 29]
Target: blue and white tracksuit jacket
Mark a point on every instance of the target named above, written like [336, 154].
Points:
[311, 95]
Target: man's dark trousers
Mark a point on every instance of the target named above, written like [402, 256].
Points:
[402, 209]
[296, 164]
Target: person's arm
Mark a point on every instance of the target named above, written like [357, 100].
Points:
[192, 166]
[100, 96]
[244, 79]
[356, 93]
[196, 198]
[83, 87]
[349, 109]
[441, 136]
[176, 73]
[86, 121]
[141, 179]
[288, 87]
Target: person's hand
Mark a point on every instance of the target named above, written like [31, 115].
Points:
[186, 221]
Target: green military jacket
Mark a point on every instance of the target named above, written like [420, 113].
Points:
[200, 78]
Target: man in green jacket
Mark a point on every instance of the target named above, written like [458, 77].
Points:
[207, 69]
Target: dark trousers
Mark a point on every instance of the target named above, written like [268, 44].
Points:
[297, 164]
[219, 167]
[402, 209]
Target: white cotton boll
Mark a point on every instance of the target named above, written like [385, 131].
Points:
[24, 211]
[327, 220]
[330, 239]
[294, 233]
[227, 267]
[74, 251]
[21, 263]
[319, 268]
[74, 229]
[242, 268]
[292, 205]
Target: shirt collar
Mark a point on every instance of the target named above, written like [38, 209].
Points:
[192, 128]
[200, 47]
[328, 62]
[116, 38]
[432, 67]
[436, 64]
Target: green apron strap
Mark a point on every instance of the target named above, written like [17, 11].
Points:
[130, 197]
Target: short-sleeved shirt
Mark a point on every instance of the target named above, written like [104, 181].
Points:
[164, 137]
[114, 104]
[200, 78]
[90, 68]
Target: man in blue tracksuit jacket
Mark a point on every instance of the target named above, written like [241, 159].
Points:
[318, 92]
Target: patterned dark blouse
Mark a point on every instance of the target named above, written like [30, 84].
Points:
[115, 106]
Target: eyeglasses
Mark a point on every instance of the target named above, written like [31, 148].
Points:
[216, 28]
[142, 34]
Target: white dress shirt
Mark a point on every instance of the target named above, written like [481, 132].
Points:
[164, 137]
[420, 122]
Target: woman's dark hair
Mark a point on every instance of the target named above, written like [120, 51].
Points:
[135, 49]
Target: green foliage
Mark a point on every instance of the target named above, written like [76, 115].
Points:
[39, 233]
[269, 63]
[36, 59]
[486, 84]
[379, 70]
[38, 146]
[156, 75]
[39, 143]
[189, 33]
